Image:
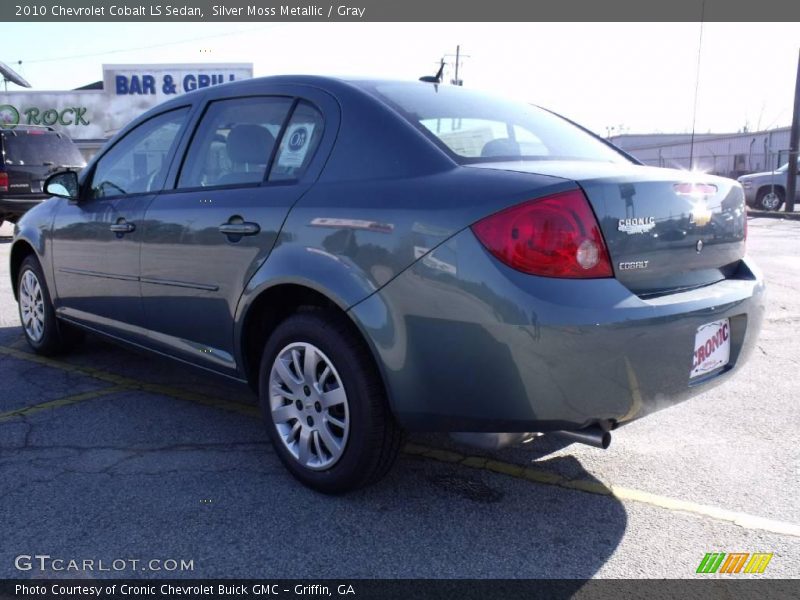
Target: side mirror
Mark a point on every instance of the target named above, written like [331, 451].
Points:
[63, 184]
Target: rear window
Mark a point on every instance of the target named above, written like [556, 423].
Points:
[299, 143]
[475, 127]
[41, 148]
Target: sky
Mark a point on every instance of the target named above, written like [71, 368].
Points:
[632, 77]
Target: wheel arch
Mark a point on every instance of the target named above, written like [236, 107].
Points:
[19, 252]
[274, 304]
[768, 186]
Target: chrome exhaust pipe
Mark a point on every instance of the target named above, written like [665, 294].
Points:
[591, 436]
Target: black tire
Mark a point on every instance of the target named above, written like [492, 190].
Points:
[765, 199]
[56, 337]
[374, 438]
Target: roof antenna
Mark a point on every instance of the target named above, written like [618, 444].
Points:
[696, 85]
[434, 78]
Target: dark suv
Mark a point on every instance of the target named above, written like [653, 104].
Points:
[27, 156]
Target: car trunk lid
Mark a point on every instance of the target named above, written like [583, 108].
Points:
[665, 229]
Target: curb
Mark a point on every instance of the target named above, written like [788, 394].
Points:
[773, 214]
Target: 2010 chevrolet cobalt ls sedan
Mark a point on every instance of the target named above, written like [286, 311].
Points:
[379, 256]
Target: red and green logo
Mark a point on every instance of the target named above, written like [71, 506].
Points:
[9, 116]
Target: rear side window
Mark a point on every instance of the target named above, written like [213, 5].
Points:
[234, 142]
[298, 144]
[138, 163]
[41, 148]
[477, 127]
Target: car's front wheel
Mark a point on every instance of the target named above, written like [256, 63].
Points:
[769, 198]
[42, 330]
[324, 404]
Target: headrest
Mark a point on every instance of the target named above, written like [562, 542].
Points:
[249, 144]
[501, 147]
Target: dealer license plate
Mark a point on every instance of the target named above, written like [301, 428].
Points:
[712, 347]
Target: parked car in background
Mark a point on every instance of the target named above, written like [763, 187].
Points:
[767, 190]
[380, 256]
[28, 154]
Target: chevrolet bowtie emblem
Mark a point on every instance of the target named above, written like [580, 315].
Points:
[701, 216]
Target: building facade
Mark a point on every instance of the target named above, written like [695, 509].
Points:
[92, 114]
[729, 155]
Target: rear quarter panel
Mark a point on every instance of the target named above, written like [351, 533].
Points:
[468, 344]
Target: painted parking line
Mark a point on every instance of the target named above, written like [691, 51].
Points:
[744, 520]
[58, 403]
[49, 362]
[130, 384]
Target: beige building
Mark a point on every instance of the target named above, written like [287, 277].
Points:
[90, 115]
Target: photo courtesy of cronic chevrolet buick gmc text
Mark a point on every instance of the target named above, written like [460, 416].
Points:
[28, 154]
[381, 256]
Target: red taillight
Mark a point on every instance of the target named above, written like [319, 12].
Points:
[3, 182]
[555, 236]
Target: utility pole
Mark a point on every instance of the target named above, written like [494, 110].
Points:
[458, 56]
[791, 171]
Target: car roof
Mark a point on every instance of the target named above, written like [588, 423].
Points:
[36, 130]
[340, 88]
[336, 85]
[26, 133]
[401, 150]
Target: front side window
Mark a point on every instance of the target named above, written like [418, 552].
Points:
[234, 142]
[477, 127]
[138, 163]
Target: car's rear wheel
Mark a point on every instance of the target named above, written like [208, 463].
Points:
[769, 198]
[325, 405]
[42, 330]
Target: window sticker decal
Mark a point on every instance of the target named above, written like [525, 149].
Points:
[297, 141]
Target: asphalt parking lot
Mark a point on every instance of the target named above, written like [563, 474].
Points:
[108, 454]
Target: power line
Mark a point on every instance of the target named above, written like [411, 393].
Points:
[775, 120]
[133, 49]
[697, 83]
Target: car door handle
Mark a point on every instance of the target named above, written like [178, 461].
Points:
[122, 227]
[243, 228]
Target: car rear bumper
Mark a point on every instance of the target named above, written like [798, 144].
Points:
[467, 344]
[16, 207]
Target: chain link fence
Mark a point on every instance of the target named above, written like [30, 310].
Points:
[728, 155]
[727, 165]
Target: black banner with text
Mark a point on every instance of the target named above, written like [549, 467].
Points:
[361, 589]
[391, 10]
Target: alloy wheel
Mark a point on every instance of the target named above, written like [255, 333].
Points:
[771, 201]
[31, 303]
[309, 406]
